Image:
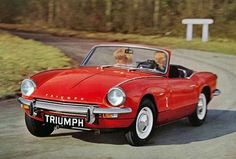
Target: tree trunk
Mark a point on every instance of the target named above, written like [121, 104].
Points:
[51, 11]
[157, 13]
[108, 14]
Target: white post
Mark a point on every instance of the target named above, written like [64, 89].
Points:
[205, 32]
[189, 34]
[204, 22]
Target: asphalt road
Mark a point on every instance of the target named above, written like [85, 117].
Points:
[215, 139]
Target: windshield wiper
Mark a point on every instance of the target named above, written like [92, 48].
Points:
[120, 66]
[116, 65]
[133, 69]
[105, 66]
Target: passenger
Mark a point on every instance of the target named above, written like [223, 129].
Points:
[160, 59]
[121, 57]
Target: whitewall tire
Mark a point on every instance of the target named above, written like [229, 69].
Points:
[140, 131]
[198, 117]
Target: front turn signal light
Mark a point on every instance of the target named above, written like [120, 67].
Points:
[110, 115]
[24, 106]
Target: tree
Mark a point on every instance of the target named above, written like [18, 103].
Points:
[51, 11]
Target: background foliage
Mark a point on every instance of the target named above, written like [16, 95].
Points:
[161, 17]
[19, 58]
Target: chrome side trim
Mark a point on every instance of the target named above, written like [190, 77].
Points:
[136, 78]
[216, 92]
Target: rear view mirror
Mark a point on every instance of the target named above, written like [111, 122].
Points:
[128, 51]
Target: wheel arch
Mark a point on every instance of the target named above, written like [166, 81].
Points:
[150, 97]
[207, 91]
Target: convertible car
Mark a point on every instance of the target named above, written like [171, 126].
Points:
[117, 86]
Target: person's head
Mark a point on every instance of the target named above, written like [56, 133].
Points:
[121, 57]
[160, 58]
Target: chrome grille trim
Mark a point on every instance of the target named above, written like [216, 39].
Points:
[63, 107]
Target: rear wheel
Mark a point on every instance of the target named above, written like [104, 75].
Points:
[199, 115]
[38, 128]
[140, 131]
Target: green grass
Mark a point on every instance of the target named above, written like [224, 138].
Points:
[214, 45]
[226, 46]
[20, 58]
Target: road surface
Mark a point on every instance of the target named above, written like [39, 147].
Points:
[215, 139]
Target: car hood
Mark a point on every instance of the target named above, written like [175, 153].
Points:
[85, 85]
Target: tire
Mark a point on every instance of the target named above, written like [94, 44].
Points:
[198, 117]
[38, 128]
[140, 131]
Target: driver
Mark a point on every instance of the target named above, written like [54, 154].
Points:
[121, 57]
[160, 59]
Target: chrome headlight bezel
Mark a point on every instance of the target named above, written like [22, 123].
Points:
[27, 87]
[120, 96]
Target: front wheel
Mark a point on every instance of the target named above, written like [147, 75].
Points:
[199, 115]
[140, 131]
[38, 128]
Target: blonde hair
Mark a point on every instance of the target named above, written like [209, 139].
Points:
[160, 57]
[160, 54]
[120, 53]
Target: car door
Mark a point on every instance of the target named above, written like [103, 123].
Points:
[183, 97]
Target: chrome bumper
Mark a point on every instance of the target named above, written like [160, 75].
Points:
[216, 92]
[88, 110]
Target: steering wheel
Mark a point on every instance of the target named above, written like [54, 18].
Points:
[150, 64]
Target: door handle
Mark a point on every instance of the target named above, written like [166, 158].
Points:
[193, 86]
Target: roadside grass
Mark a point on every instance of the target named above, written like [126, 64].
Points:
[218, 45]
[20, 58]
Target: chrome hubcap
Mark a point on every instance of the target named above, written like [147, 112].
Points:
[201, 107]
[144, 122]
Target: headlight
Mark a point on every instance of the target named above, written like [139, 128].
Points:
[116, 96]
[27, 87]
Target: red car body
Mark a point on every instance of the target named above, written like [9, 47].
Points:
[174, 97]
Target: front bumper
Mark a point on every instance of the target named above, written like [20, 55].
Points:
[89, 110]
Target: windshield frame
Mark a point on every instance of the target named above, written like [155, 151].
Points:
[91, 51]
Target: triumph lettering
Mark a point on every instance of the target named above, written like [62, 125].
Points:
[47, 117]
[74, 121]
[80, 123]
[67, 121]
[64, 121]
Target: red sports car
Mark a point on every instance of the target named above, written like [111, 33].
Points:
[117, 86]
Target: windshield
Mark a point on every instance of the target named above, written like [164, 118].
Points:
[130, 57]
